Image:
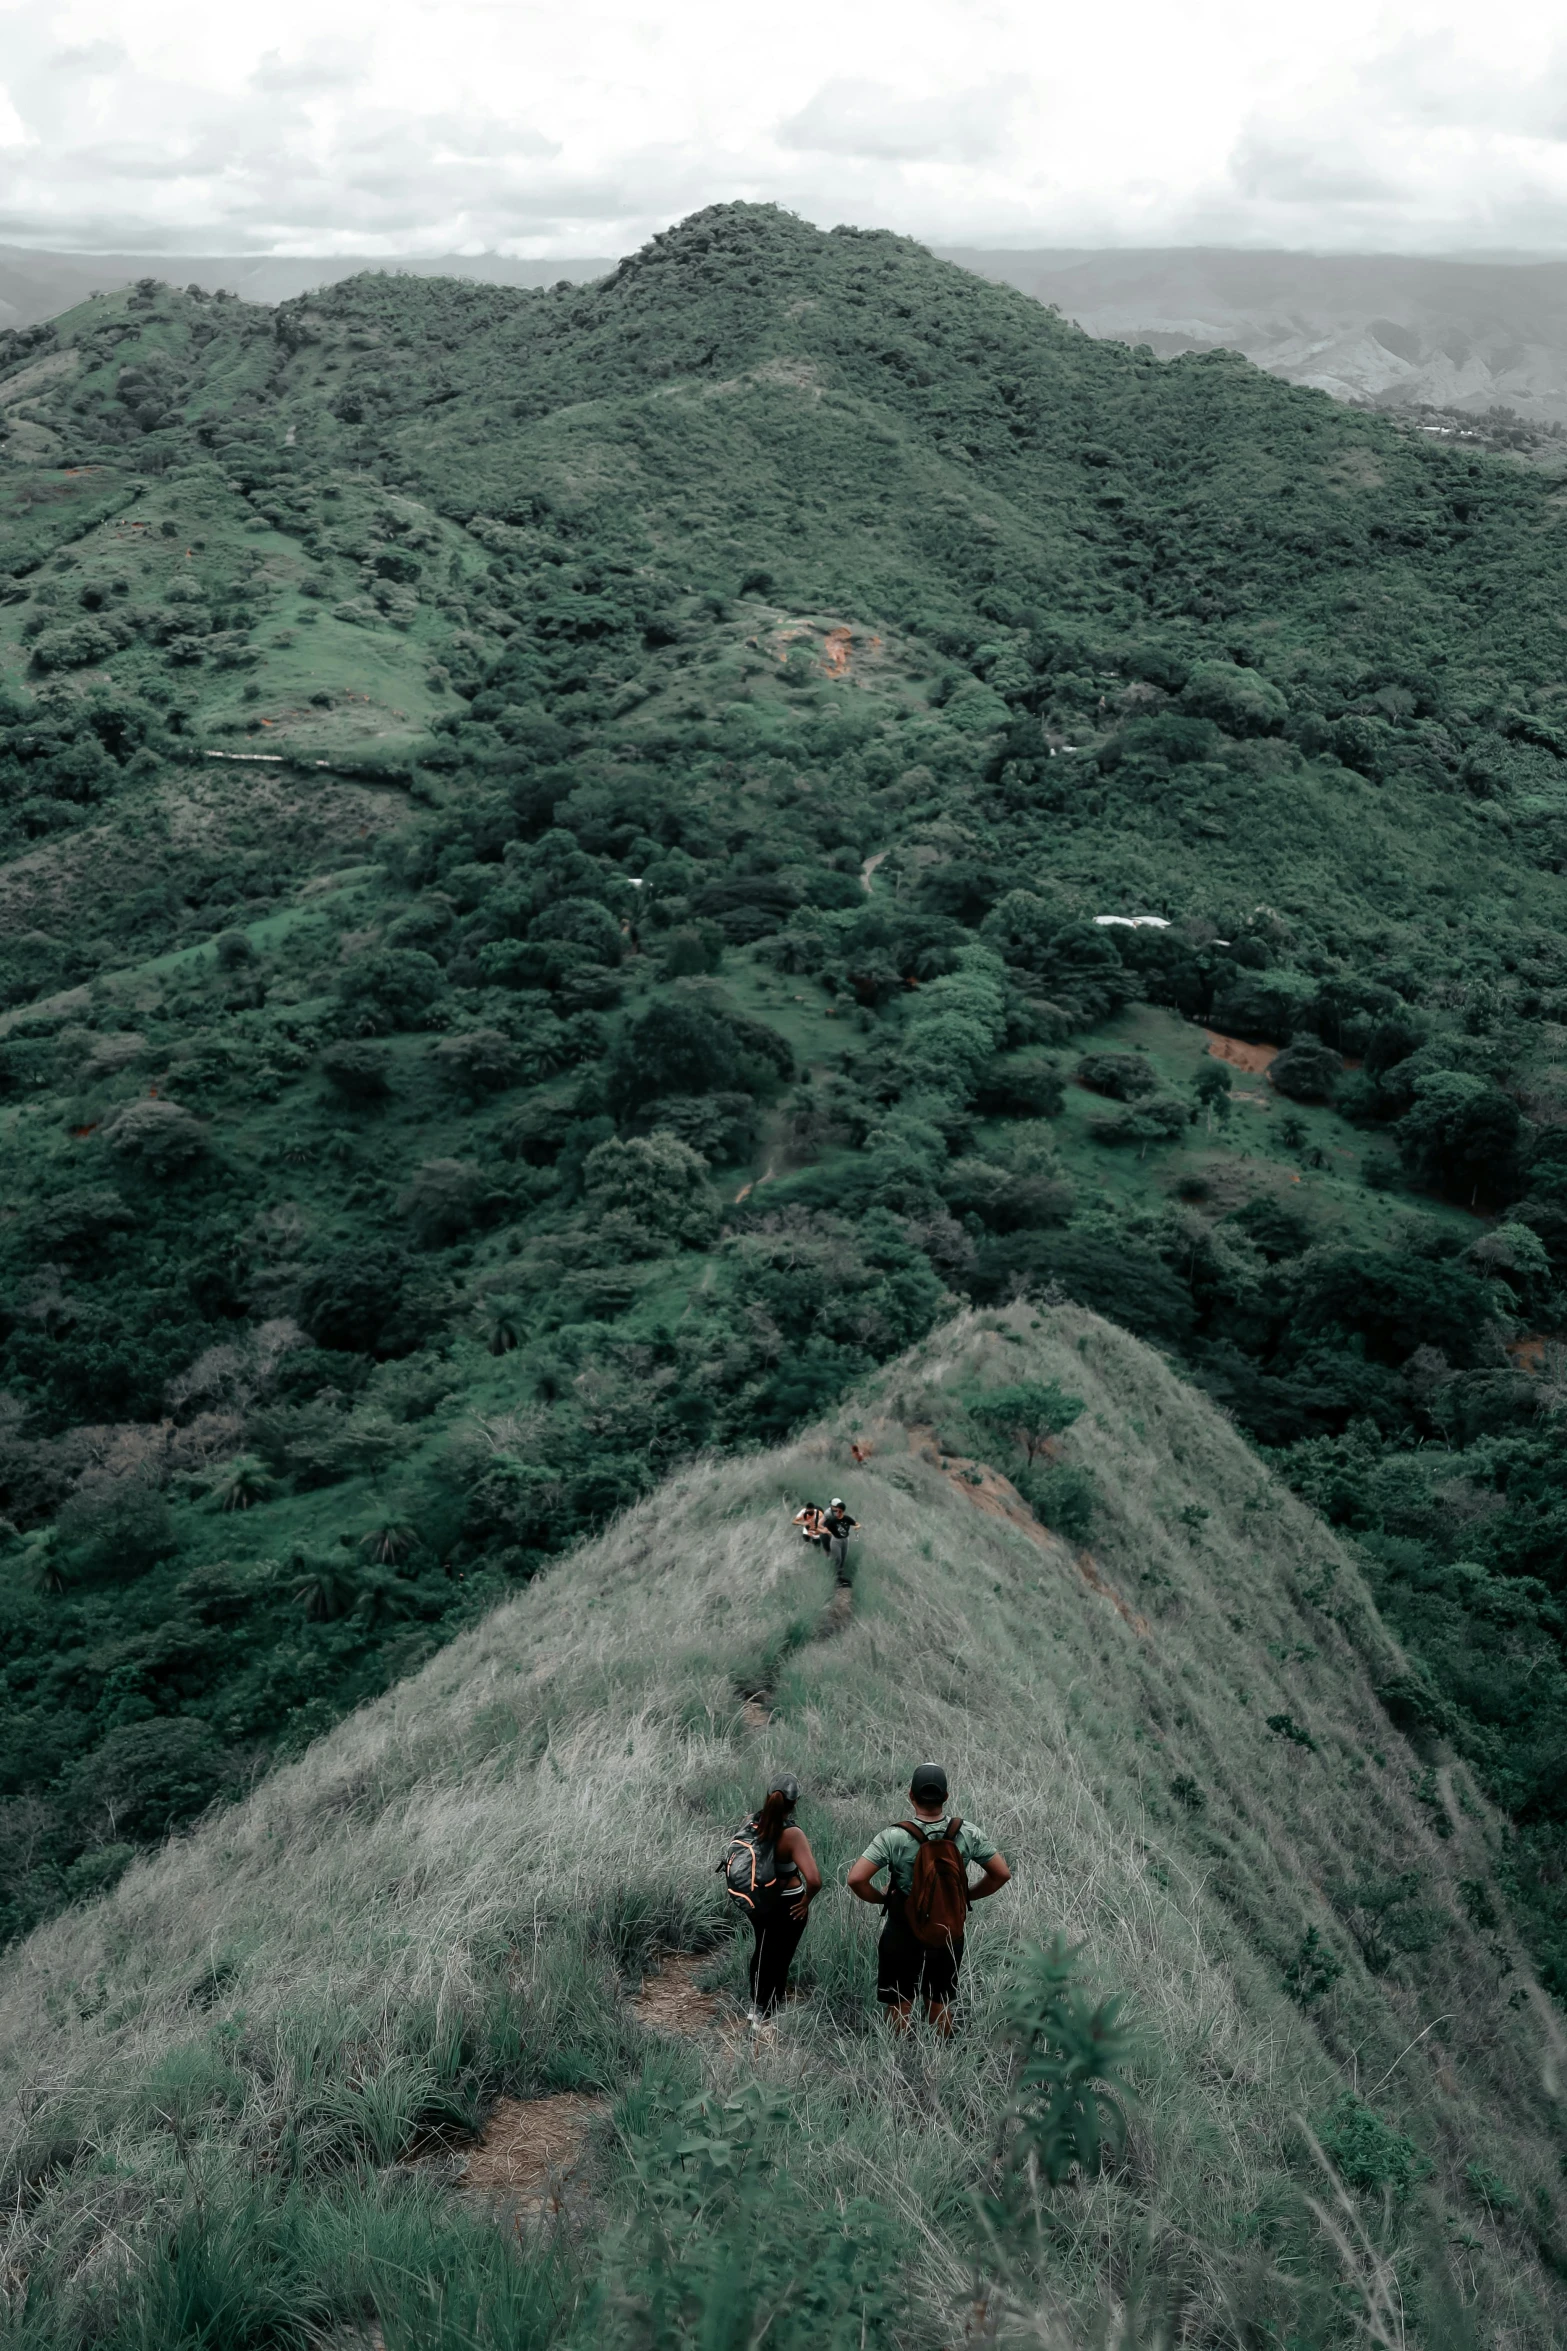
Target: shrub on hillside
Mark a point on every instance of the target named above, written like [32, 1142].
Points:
[1464, 1135]
[359, 1069]
[390, 988]
[1306, 1070]
[480, 1061]
[117, 1526]
[144, 1778]
[1061, 1496]
[1366, 2152]
[1028, 1412]
[1125, 1077]
[1155, 1118]
[652, 1192]
[159, 1137]
[1240, 700]
[441, 1200]
[688, 1046]
[1020, 1085]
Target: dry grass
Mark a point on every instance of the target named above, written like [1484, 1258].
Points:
[495, 1816]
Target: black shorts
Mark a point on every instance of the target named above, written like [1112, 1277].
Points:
[907, 1969]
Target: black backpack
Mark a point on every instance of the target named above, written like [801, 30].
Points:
[750, 1868]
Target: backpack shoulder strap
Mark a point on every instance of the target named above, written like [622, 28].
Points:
[915, 1828]
[955, 1826]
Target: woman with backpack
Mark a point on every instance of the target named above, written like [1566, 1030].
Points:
[771, 1872]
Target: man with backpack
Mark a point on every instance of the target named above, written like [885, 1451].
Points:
[927, 1900]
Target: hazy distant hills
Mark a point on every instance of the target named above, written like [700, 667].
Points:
[35, 286]
[1454, 334]
[1384, 327]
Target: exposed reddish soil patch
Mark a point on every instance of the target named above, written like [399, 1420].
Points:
[989, 1491]
[835, 652]
[1528, 1352]
[531, 2149]
[1254, 1059]
[671, 2001]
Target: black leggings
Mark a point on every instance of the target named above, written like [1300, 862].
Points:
[777, 1940]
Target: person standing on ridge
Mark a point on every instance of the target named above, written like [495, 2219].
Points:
[927, 1900]
[837, 1527]
[770, 1871]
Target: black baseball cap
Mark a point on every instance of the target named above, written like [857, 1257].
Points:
[929, 1784]
[788, 1787]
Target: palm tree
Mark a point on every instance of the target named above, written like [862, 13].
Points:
[46, 1561]
[389, 1543]
[382, 1599]
[326, 1587]
[245, 1484]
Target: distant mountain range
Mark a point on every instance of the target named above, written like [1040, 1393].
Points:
[1466, 335]
[1401, 331]
[36, 286]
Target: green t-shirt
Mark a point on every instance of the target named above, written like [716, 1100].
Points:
[895, 1849]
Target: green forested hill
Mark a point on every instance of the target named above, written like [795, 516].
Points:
[551, 850]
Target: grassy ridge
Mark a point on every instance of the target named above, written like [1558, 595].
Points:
[446, 1897]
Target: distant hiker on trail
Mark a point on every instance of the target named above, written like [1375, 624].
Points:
[770, 1872]
[927, 1900]
[808, 1518]
[837, 1527]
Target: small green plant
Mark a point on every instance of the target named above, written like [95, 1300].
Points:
[1428, 1796]
[1286, 1727]
[1479, 1905]
[1186, 1792]
[1313, 1971]
[1491, 2191]
[1072, 2079]
[1387, 1917]
[1366, 2152]
[1062, 1498]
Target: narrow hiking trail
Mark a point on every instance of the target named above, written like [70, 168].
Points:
[530, 2160]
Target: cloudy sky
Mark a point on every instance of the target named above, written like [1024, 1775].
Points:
[438, 126]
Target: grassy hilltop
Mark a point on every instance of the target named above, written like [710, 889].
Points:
[217, 2076]
[550, 844]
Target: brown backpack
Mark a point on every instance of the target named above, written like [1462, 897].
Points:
[937, 1904]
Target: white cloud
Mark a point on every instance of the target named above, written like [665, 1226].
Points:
[434, 125]
[869, 120]
[327, 65]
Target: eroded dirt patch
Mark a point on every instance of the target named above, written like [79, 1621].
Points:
[1254, 1059]
[987, 1490]
[672, 2001]
[532, 2150]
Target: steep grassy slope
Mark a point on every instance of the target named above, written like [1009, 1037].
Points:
[551, 846]
[1177, 1741]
